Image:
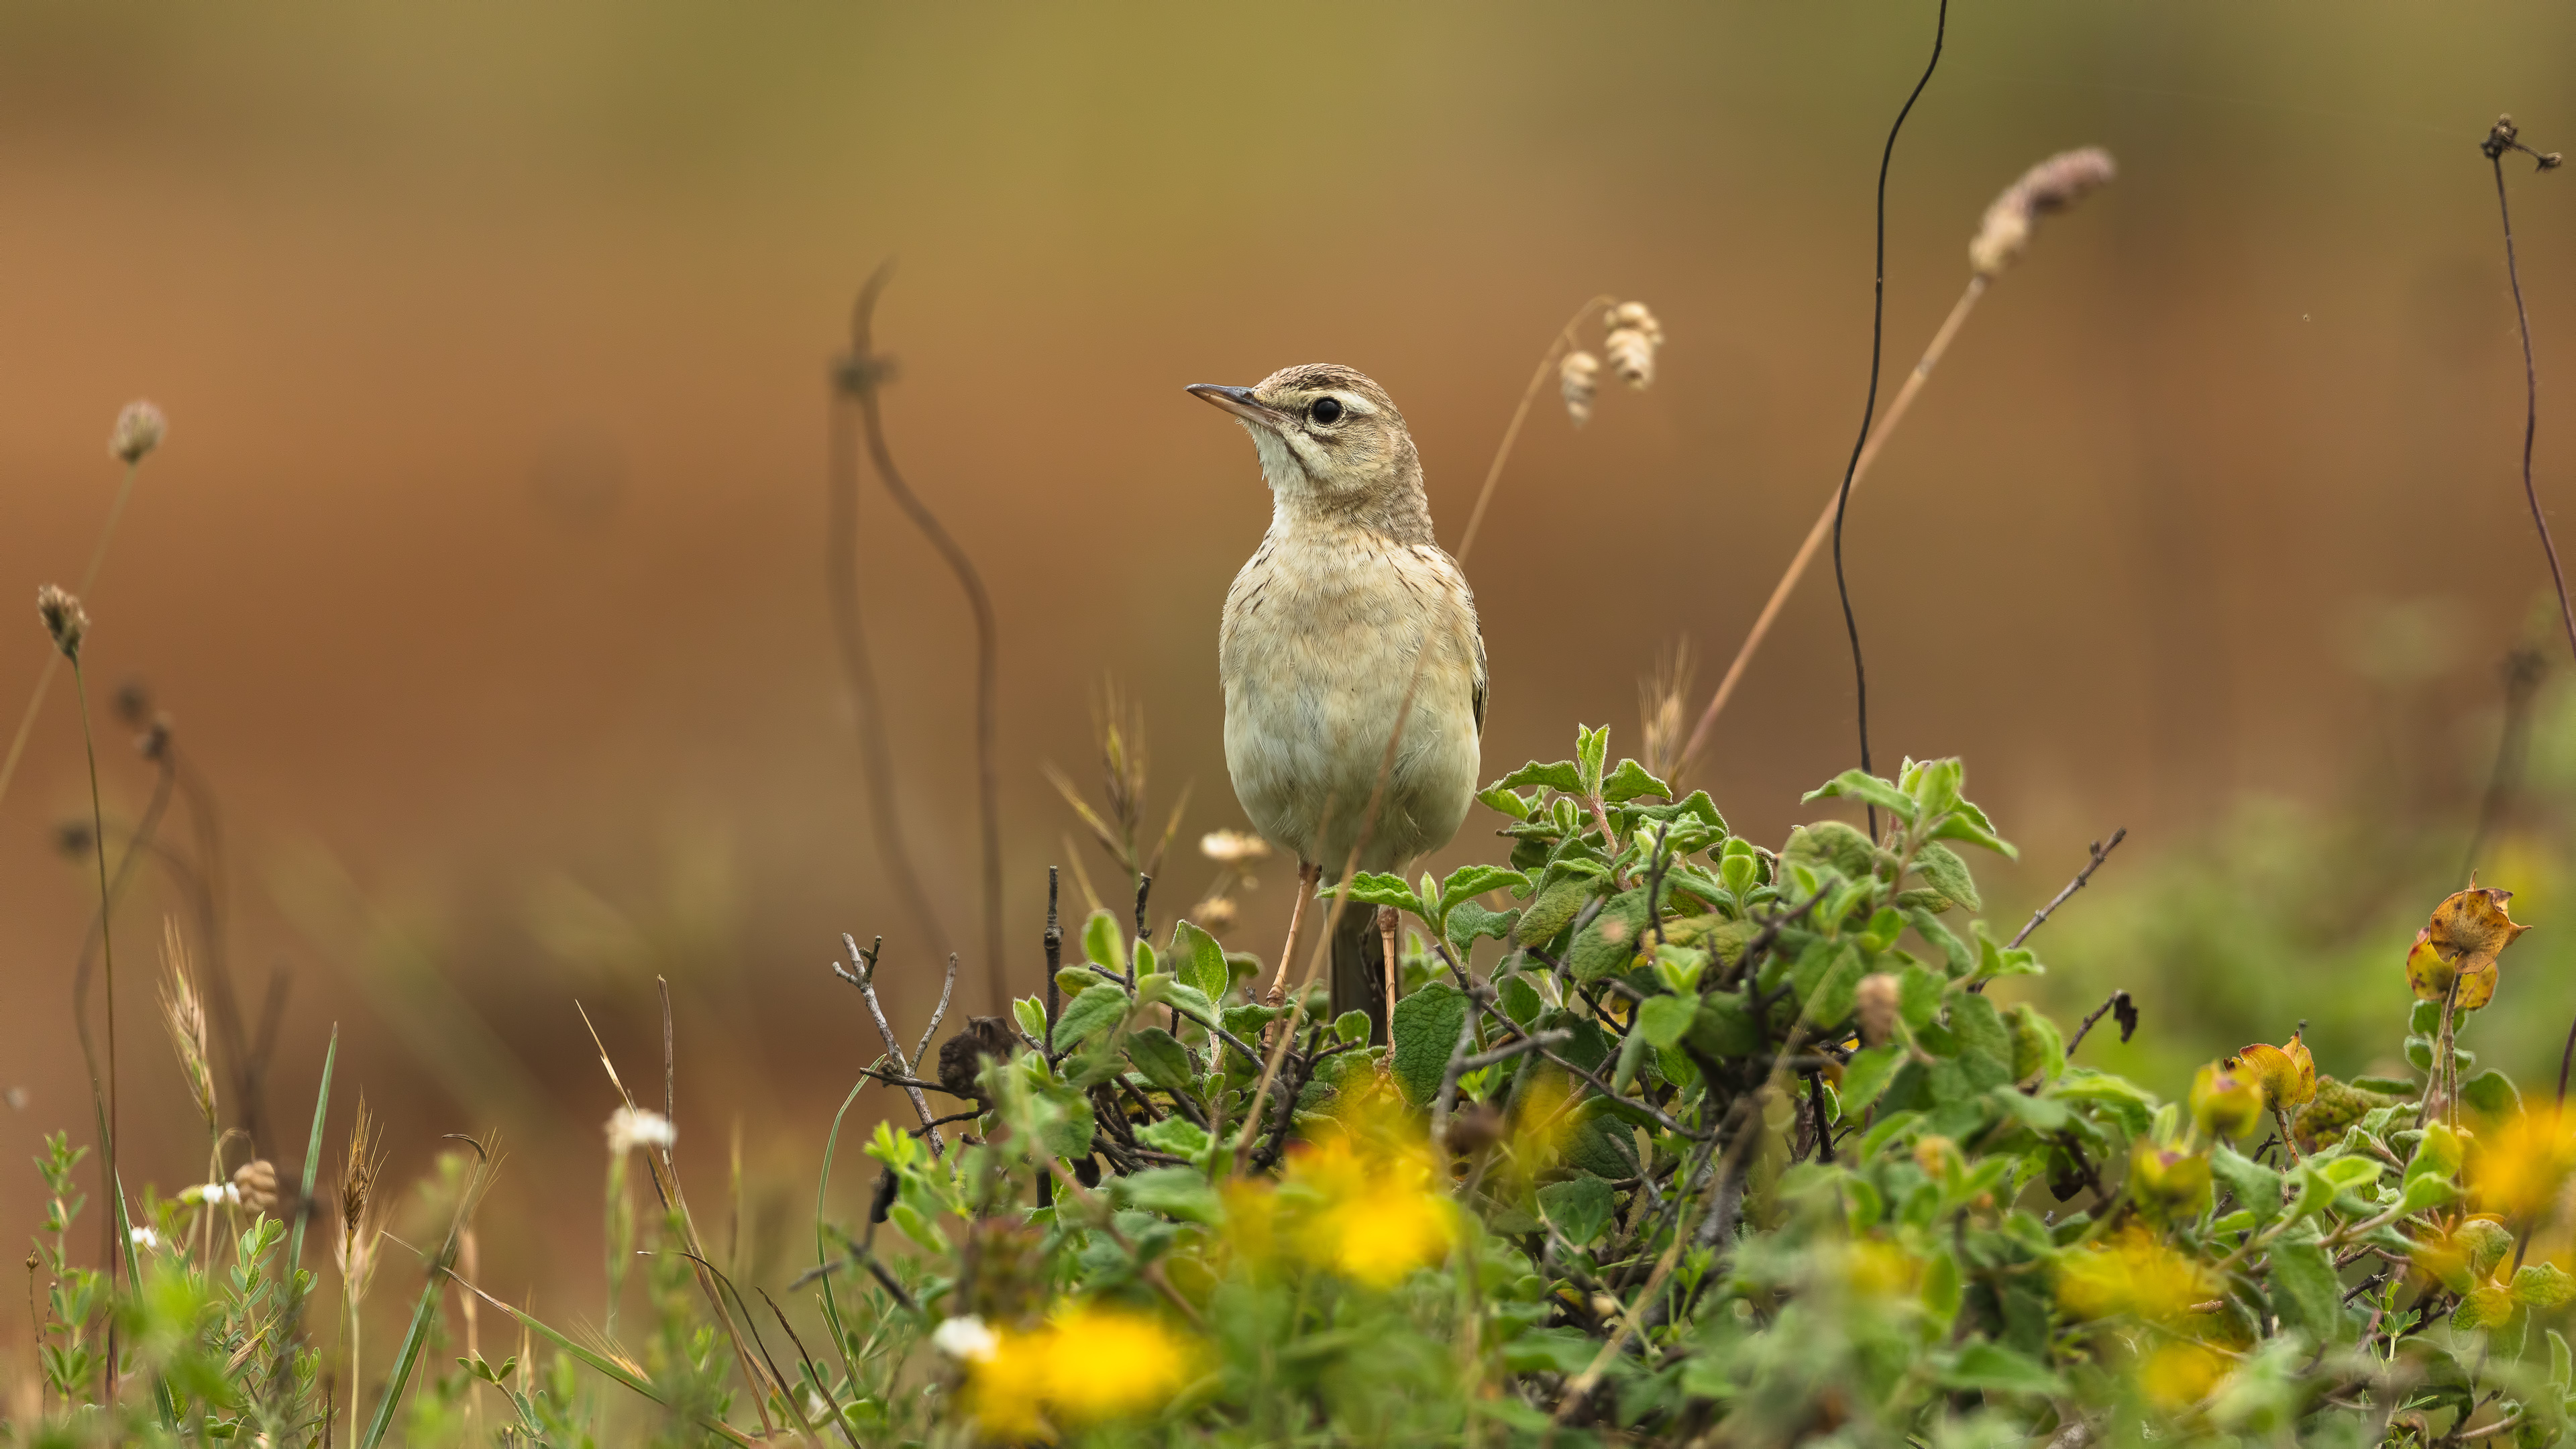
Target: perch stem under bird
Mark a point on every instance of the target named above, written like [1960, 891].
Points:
[2002, 237]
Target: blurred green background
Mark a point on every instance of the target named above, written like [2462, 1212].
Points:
[481, 572]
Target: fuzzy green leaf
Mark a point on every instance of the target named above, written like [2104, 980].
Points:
[1662, 1020]
[1199, 960]
[1426, 1032]
[1162, 1060]
[1867, 788]
[1104, 944]
[2305, 1290]
[1948, 874]
[1561, 776]
[1995, 1369]
[1629, 782]
[1579, 1208]
[1101, 1005]
[1591, 755]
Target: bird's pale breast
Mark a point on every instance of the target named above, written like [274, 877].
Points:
[1317, 650]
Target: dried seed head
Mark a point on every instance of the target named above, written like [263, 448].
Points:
[64, 618]
[139, 430]
[1634, 336]
[1663, 711]
[1579, 379]
[361, 1164]
[256, 1181]
[2053, 185]
[1879, 997]
[184, 1013]
[1216, 915]
[1233, 847]
[154, 742]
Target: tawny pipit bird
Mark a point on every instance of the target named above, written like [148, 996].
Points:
[1347, 619]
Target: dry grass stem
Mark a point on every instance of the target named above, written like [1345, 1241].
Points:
[1563, 342]
[1118, 731]
[89, 580]
[2061, 174]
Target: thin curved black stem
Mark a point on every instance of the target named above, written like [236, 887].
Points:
[1869, 409]
[2499, 141]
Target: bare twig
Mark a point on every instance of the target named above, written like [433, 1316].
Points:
[1447, 1099]
[1055, 963]
[865, 374]
[855, 376]
[863, 976]
[2101, 853]
[2117, 1002]
[947, 984]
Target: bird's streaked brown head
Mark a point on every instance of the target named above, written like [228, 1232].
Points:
[1330, 439]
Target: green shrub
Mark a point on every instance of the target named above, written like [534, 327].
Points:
[1723, 1144]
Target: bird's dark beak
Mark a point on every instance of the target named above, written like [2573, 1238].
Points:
[1240, 402]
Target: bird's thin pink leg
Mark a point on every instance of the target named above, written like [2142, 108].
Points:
[1388, 925]
[1309, 875]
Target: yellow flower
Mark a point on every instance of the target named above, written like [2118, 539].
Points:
[2132, 1273]
[2180, 1375]
[1875, 1268]
[2520, 1167]
[1539, 1127]
[1374, 1216]
[1088, 1364]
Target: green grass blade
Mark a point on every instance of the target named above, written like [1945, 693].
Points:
[616, 1371]
[162, 1400]
[822, 1254]
[427, 1308]
[312, 1161]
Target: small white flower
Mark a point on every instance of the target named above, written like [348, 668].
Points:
[966, 1339]
[211, 1193]
[145, 1239]
[1233, 847]
[633, 1127]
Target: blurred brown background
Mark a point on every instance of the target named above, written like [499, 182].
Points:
[481, 570]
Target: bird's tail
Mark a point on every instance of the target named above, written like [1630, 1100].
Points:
[1359, 968]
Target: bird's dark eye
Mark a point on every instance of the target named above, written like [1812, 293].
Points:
[1327, 410]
